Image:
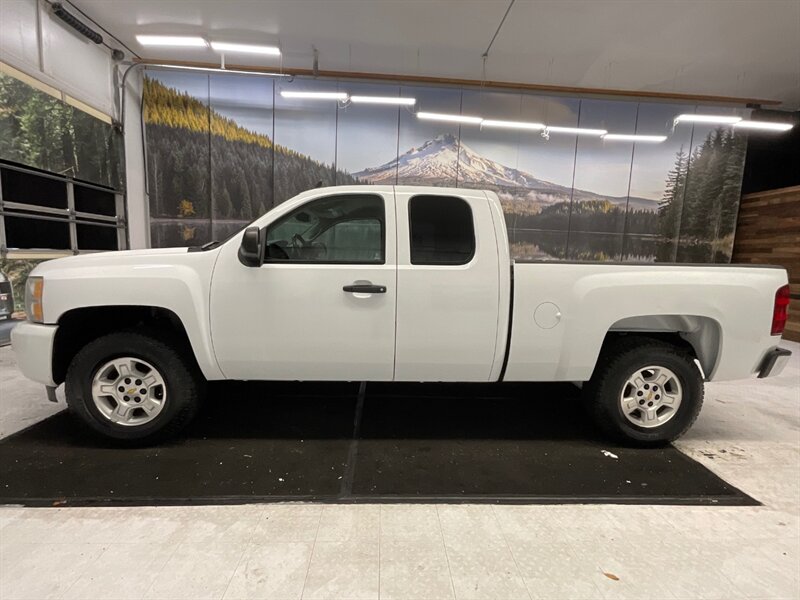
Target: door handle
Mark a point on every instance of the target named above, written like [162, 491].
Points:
[357, 288]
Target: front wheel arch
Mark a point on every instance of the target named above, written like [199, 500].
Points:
[78, 327]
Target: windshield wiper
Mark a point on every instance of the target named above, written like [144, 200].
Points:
[207, 246]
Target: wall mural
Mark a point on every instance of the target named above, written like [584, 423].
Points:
[223, 149]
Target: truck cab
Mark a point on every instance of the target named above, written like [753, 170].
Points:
[383, 284]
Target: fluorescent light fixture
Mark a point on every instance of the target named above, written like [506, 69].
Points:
[576, 130]
[315, 95]
[428, 116]
[629, 137]
[383, 100]
[764, 125]
[512, 125]
[171, 40]
[719, 119]
[245, 48]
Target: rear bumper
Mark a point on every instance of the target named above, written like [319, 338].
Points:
[33, 347]
[773, 363]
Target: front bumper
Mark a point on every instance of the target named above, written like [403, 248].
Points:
[33, 346]
[773, 363]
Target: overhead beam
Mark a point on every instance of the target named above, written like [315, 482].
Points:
[508, 85]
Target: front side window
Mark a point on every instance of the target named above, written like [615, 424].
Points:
[346, 228]
[441, 230]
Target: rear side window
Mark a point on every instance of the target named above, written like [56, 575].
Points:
[441, 230]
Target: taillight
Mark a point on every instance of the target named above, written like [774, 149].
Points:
[781, 311]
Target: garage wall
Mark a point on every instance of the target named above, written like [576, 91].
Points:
[42, 46]
[222, 149]
[768, 232]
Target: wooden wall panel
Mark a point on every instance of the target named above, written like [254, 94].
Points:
[768, 232]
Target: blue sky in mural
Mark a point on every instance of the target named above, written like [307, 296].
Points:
[193, 84]
[307, 126]
[601, 166]
[526, 151]
[246, 100]
[367, 133]
[652, 162]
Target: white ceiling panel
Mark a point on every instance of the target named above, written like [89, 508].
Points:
[716, 47]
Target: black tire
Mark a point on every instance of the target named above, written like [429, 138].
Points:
[184, 384]
[620, 360]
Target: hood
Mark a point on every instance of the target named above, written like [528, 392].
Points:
[122, 257]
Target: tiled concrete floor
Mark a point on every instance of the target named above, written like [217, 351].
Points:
[749, 433]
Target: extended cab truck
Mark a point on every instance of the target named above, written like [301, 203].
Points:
[383, 283]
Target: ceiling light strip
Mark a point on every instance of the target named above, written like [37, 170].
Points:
[717, 119]
[576, 130]
[764, 125]
[172, 40]
[314, 95]
[629, 137]
[245, 48]
[512, 125]
[396, 100]
[429, 116]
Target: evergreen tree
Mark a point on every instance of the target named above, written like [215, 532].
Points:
[224, 205]
[669, 209]
[42, 131]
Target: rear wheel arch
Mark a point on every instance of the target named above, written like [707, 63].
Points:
[80, 326]
[699, 335]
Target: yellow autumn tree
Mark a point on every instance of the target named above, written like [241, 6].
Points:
[185, 209]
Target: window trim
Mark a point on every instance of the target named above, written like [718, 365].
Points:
[297, 261]
[440, 263]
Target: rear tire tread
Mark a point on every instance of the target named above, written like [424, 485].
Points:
[600, 393]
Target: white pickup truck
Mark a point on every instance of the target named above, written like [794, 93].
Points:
[391, 283]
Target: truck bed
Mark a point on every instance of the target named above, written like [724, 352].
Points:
[563, 310]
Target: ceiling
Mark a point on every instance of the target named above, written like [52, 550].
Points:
[715, 47]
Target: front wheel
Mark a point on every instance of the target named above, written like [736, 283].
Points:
[132, 387]
[645, 392]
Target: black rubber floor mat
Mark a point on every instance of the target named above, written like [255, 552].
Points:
[389, 442]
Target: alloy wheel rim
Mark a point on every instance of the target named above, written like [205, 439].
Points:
[128, 391]
[651, 396]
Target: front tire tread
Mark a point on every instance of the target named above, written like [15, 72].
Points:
[184, 386]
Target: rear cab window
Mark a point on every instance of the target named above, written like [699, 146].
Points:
[441, 230]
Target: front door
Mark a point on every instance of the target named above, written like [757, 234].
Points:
[322, 306]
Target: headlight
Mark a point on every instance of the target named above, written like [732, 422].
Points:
[34, 290]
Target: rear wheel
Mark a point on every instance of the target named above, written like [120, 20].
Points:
[134, 387]
[645, 392]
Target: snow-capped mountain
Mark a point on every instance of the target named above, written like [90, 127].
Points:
[443, 161]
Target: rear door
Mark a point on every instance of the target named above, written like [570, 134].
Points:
[447, 287]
